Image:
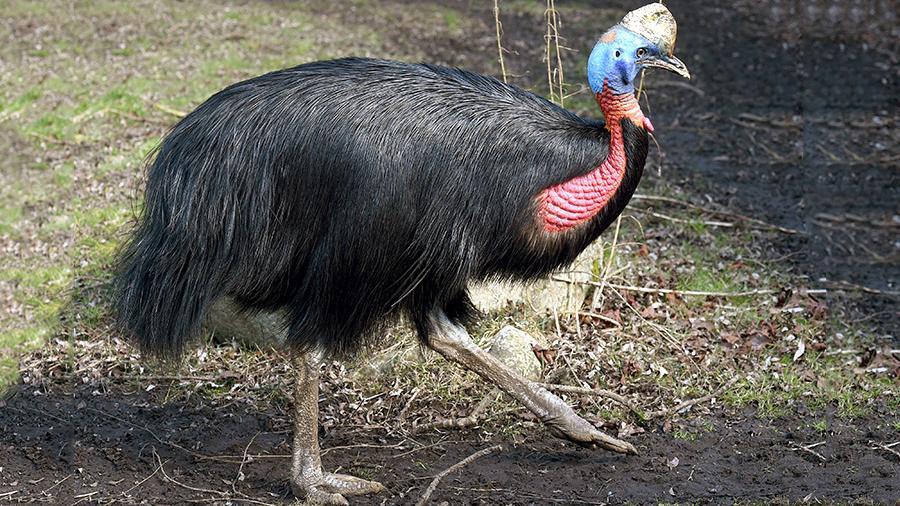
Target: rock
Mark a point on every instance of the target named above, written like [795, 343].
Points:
[514, 348]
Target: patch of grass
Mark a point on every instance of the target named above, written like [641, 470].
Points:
[22, 101]
[12, 343]
[684, 435]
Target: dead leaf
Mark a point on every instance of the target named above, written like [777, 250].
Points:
[649, 313]
[801, 349]
[643, 251]
[627, 429]
[731, 338]
[672, 464]
[546, 356]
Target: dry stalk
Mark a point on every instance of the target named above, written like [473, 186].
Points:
[166, 109]
[693, 293]
[547, 52]
[555, 78]
[598, 298]
[499, 27]
[761, 224]
[680, 220]
[559, 67]
[809, 449]
[455, 467]
[888, 448]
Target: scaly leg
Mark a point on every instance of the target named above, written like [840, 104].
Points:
[453, 342]
[307, 479]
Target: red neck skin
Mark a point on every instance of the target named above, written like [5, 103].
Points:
[577, 200]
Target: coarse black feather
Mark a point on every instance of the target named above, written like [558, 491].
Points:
[350, 190]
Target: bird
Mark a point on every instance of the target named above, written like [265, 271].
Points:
[347, 192]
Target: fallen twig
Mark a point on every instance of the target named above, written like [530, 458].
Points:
[687, 404]
[455, 467]
[465, 422]
[240, 472]
[599, 392]
[666, 217]
[350, 447]
[695, 293]
[884, 447]
[809, 449]
[762, 225]
[138, 484]
[182, 485]
[46, 490]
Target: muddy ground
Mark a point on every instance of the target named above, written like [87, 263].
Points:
[791, 119]
[94, 447]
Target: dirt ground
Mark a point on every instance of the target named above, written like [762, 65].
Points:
[790, 118]
[108, 449]
[797, 126]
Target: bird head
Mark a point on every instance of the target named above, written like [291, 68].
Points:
[644, 38]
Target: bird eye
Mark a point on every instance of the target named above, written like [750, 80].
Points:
[618, 53]
[641, 52]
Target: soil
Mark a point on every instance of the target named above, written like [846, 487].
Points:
[797, 126]
[58, 448]
[791, 119]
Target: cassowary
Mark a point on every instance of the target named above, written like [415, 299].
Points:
[346, 192]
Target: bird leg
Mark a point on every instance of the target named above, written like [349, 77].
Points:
[308, 482]
[453, 342]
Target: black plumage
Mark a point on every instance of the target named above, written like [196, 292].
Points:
[348, 191]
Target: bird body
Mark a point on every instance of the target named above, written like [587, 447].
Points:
[345, 192]
[349, 190]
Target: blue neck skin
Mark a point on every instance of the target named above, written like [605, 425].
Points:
[613, 61]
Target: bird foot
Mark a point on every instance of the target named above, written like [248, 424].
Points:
[578, 430]
[330, 489]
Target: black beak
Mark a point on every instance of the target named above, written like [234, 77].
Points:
[670, 63]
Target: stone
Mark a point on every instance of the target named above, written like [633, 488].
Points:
[515, 348]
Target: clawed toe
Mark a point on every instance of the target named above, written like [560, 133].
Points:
[350, 485]
[331, 488]
[318, 495]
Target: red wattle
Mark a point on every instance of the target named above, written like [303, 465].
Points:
[577, 200]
